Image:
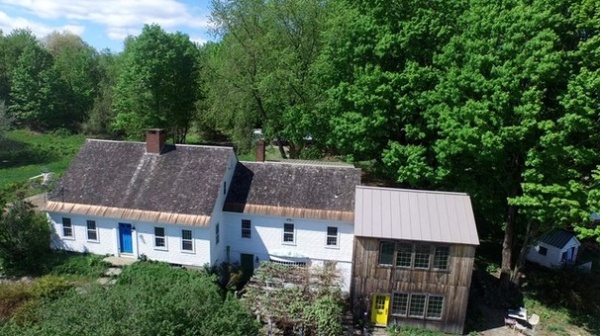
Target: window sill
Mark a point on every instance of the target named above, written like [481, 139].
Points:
[68, 238]
[289, 243]
[93, 241]
[159, 248]
[332, 247]
[187, 252]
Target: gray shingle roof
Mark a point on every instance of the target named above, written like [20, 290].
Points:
[184, 180]
[417, 215]
[268, 186]
[557, 238]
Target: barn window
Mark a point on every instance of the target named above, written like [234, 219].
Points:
[422, 256]
[543, 251]
[417, 305]
[404, 255]
[386, 253]
[440, 257]
[435, 306]
[67, 227]
[186, 240]
[399, 304]
[92, 233]
[159, 237]
[246, 228]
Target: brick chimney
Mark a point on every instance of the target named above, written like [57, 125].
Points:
[155, 140]
[260, 150]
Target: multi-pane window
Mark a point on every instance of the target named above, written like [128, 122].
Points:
[288, 233]
[332, 236]
[435, 306]
[92, 233]
[159, 237]
[67, 227]
[386, 253]
[399, 304]
[422, 256]
[417, 305]
[404, 255]
[417, 256]
[217, 234]
[440, 257]
[186, 240]
[246, 228]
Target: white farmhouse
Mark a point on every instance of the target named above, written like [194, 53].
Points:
[197, 205]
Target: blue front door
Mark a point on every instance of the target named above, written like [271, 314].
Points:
[125, 238]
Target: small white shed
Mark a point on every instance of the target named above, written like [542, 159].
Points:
[555, 249]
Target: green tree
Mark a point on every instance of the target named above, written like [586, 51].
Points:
[76, 63]
[264, 66]
[11, 48]
[158, 86]
[5, 120]
[102, 115]
[24, 237]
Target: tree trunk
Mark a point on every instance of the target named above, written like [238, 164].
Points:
[281, 149]
[518, 271]
[507, 247]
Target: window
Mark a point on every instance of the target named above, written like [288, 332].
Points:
[159, 237]
[92, 234]
[217, 233]
[417, 305]
[332, 236]
[543, 251]
[386, 253]
[288, 233]
[186, 240]
[435, 305]
[246, 228]
[440, 257]
[67, 227]
[399, 304]
[422, 256]
[404, 255]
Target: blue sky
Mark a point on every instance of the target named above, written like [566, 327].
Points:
[106, 23]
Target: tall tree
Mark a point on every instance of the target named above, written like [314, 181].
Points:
[102, 115]
[11, 48]
[264, 67]
[158, 86]
[77, 65]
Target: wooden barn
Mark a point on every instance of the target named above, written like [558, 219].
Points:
[413, 257]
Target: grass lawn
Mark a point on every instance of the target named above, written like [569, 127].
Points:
[24, 154]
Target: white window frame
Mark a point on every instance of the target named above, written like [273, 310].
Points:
[247, 230]
[163, 237]
[70, 226]
[336, 236]
[293, 233]
[191, 240]
[88, 230]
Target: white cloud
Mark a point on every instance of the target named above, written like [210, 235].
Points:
[7, 24]
[120, 17]
[199, 40]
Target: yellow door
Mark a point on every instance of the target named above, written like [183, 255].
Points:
[379, 309]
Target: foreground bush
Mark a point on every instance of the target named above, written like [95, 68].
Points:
[149, 299]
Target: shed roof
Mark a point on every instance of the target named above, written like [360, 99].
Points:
[416, 215]
[293, 190]
[557, 238]
[185, 180]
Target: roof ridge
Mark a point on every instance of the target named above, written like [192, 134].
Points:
[142, 143]
[316, 164]
[420, 191]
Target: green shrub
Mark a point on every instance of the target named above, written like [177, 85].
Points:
[395, 330]
[78, 264]
[50, 286]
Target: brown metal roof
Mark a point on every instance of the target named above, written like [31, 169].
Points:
[184, 180]
[417, 215]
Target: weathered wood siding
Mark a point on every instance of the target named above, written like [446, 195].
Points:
[369, 277]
